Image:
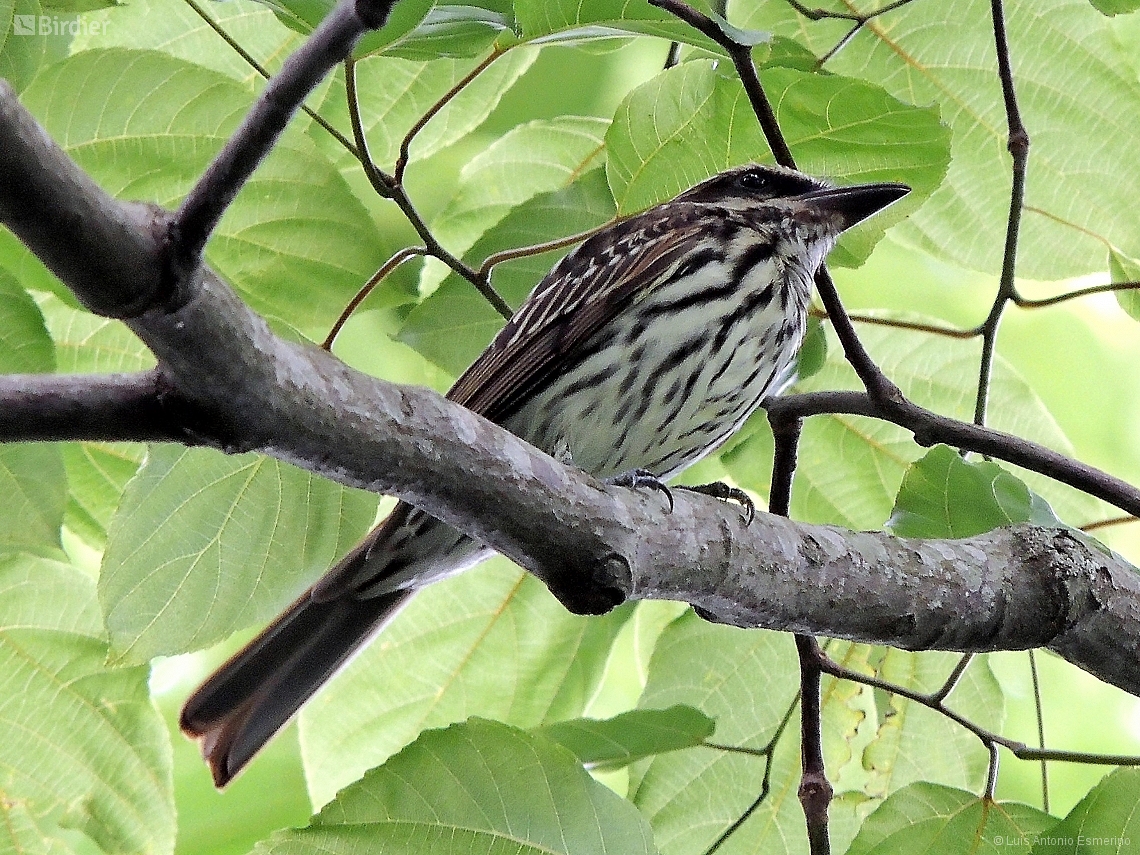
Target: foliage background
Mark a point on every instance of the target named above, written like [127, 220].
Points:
[144, 102]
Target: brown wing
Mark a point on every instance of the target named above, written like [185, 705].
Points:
[578, 297]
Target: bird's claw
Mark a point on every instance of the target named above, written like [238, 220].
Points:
[636, 478]
[720, 490]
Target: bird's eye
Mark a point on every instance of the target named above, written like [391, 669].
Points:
[754, 181]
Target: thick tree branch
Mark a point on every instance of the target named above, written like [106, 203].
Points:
[109, 407]
[593, 544]
[67, 220]
[326, 48]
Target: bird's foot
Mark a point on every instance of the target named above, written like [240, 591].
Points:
[720, 490]
[636, 478]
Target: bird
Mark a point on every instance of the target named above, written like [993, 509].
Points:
[640, 352]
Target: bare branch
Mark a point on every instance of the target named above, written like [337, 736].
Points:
[68, 221]
[930, 428]
[1018, 144]
[260, 69]
[326, 48]
[106, 407]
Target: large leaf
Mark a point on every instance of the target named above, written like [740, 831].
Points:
[633, 735]
[296, 242]
[450, 31]
[694, 120]
[177, 29]
[396, 93]
[914, 743]
[476, 787]
[538, 157]
[934, 819]
[22, 46]
[453, 325]
[34, 487]
[746, 680]
[96, 472]
[943, 495]
[205, 544]
[84, 744]
[1079, 99]
[1106, 820]
[25, 346]
[490, 642]
[850, 467]
[579, 20]
[32, 479]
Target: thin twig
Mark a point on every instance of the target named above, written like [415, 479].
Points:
[388, 187]
[815, 791]
[766, 780]
[1039, 707]
[381, 181]
[955, 676]
[260, 69]
[1018, 144]
[376, 278]
[259, 131]
[1111, 521]
[405, 144]
[987, 737]
[1023, 303]
[495, 258]
[929, 428]
[918, 326]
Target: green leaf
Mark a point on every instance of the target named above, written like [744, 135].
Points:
[850, 467]
[22, 834]
[491, 641]
[34, 487]
[304, 16]
[1074, 83]
[25, 346]
[178, 30]
[934, 819]
[1106, 820]
[296, 243]
[453, 325]
[534, 158]
[97, 475]
[915, 743]
[1115, 7]
[694, 120]
[943, 495]
[22, 48]
[400, 91]
[96, 472]
[452, 31]
[205, 544]
[634, 735]
[86, 343]
[813, 352]
[92, 752]
[1125, 269]
[570, 21]
[476, 787]
[746, 680]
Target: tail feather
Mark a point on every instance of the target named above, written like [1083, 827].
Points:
[251, 697]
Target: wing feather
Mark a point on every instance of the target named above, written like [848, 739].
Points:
[576, 299]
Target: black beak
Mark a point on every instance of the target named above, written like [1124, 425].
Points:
[851, 205]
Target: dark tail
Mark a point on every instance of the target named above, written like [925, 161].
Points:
[254, 695]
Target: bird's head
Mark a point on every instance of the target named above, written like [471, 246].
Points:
[805, 199]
